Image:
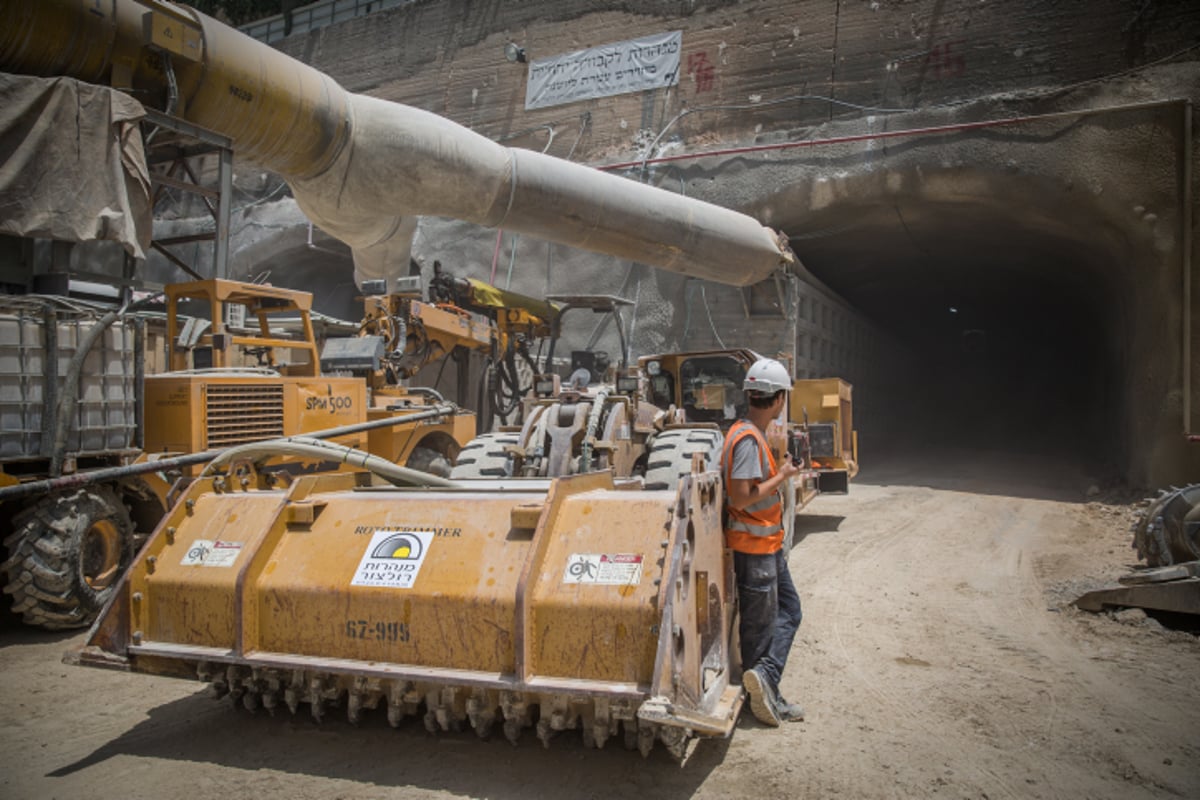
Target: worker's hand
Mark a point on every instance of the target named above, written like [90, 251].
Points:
[789, 468]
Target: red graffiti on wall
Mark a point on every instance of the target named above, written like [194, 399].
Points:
[702, 70]
[945, 61]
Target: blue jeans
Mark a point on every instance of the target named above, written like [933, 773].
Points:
[768, 610]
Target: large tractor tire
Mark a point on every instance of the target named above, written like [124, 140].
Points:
[66, 555]
[1168, 531]
[484, 457]
[671, 452]
[426, 459]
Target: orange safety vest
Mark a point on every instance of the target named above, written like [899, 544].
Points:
[757, 528]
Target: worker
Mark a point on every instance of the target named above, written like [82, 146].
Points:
[768, 605]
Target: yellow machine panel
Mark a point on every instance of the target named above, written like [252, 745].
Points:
[193, 412]
[827, 406]
[413, 444]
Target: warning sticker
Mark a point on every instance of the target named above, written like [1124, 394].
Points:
[610, 569]
[205, 553]
[393, 559]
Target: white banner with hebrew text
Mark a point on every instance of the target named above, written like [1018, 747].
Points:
[647, 63]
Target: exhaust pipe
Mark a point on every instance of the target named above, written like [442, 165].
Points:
[363, 168]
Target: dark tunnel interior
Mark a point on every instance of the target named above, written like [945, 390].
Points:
[1012, 333]
[1007, 336]
[1008, 332]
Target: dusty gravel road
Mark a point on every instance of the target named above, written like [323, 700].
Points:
[938, 658]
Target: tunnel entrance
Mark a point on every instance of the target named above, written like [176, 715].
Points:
[1011, 322]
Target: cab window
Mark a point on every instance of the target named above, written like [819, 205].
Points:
[662, 390]
[712, 389]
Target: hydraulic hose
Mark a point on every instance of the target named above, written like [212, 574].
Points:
[593, 424]
[308, 447]
[175, 462]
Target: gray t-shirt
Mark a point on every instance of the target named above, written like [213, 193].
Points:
[747, 461]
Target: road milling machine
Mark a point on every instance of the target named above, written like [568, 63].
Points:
[581, 602]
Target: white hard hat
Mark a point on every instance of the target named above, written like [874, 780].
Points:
[766, 377]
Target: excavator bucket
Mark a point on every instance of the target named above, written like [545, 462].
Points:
[555, 605]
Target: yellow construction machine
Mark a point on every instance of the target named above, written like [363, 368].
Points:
[653, 421]
[212, 399]
[823, 410]
[81, 497]
[517, 322]
[72, 500]
[586, 601]
[570, 428]
[596, 595]
[706, 387]
[400, 334]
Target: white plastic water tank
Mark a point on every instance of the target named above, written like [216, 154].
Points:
[105, 416]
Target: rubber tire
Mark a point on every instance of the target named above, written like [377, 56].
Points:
[45, 568]
[426, 459]
[671, 452]
[484, 457]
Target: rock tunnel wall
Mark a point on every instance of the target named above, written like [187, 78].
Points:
[984, 282]
[746, 68]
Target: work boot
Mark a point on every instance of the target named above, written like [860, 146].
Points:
[762, 697]
[789, 712]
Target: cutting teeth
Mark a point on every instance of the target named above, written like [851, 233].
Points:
[446, 708]
[365, 693]
[517, 715]
[481, 711]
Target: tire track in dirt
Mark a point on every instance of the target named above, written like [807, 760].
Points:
[892, 553]
[930, 609]
[928, 660]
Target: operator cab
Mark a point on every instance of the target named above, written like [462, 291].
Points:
[712, 389]
[707, 386]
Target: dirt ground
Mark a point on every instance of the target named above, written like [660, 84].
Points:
[939, 657]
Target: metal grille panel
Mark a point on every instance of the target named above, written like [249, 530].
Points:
[241, 414]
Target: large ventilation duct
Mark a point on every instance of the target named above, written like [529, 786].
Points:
[361, 168]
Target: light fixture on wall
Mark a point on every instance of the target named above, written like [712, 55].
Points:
[514, 53]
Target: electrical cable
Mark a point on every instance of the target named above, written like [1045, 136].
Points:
[708, 311]
[549, 127]
[585, 120]
[745, 106]
[438, 380]
[687, 312]
[512, 257]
